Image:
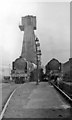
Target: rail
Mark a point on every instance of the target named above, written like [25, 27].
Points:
[7, 102]
[63, 93]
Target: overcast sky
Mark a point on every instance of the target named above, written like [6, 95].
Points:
[53, 29]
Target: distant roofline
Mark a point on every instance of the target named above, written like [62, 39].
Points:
[66, 61]
[51, 60]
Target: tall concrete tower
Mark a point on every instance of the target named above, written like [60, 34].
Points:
[28, 25]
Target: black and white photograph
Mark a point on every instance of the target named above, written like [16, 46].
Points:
[35, 59]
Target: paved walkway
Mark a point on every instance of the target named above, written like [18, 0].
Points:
[37, 101]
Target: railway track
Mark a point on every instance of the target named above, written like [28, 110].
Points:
[4, 107]
[68, 98]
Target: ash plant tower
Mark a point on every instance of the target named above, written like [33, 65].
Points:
[28, 25]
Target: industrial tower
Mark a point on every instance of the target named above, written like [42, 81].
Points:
[28, 25]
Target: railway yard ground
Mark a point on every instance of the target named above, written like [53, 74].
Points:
[35, 101]
[5, 91]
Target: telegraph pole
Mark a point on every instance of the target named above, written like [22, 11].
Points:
[38, 58]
